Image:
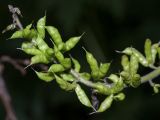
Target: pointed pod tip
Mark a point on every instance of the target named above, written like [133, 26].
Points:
[117, 51]
[84, 49]
[82, 34]
[20, 49]
[27, 66]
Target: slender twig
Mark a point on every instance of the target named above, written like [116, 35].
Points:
[146, 78]
[14, 63]
[150, 76]
[5, 98]
[15, 12]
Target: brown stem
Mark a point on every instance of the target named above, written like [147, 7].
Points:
[5, 97]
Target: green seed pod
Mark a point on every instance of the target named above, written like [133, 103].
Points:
[93, 65]
[102, 88]
[133, 64]
[41, 27]
[71, 43]
[125, 63]
[56, 68]
[27, 33]
[114, 78]
[125, 74]
[47, 77]
[82, 96]
[154, 50]
[64, 84]
[9, 27]
[66, 62]
[141, 58]
[42, 45]
[59, 56]
[39, 59]
[103, 69]
[85, 76]
[147, 49]
[136, 80]
[55, 35]
[32, 51]
[77, 66]
[107, 90]
[22, 33]
[67, 77]
[128, 51]
[95, 74]
[118, 86]
[17, 34]
[158, 50]
[119, 96]
[156, 88]
[106, 104]
[61, 46]
[49, 51]
[27, 45]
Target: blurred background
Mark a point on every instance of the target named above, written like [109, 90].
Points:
[109, 25]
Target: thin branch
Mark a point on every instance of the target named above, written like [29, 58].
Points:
[150, 76]
[14, 63]
[15, 12]
[5, 98]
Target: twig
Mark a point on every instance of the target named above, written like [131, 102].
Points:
[14, 63]
[15, 12]
[5, 98]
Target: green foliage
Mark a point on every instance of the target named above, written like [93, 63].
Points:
[60, 67]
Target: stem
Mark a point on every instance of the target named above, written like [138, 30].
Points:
[155, 73]
[80, 79]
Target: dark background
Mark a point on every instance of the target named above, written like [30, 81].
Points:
[109, 25]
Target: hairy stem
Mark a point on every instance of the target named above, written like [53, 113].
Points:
[81, 80]
[155, 73]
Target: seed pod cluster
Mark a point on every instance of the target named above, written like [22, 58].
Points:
[57, 39]
[150, 50]
[130, 68]
[60, 66]
[27, 33]
[107, 102]
[97, 72]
